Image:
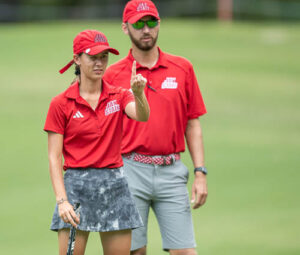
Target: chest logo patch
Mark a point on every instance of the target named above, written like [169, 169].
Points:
[169, 83]
[112, 107]
[78, 115]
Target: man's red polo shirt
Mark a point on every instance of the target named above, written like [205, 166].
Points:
[92, 138]
[174, 98]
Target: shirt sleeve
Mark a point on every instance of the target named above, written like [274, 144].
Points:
[196, 106]
[127, 97]
[56, 119]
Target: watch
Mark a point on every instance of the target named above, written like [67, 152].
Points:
[202, 169]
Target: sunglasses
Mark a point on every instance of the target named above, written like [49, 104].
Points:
[151, 23]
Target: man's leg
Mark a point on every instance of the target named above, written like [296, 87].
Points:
[139, 177]
[172, 209]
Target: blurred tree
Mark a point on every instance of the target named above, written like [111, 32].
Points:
[225, 9]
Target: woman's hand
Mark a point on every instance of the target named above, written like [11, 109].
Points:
[67, 213]
[137, 82]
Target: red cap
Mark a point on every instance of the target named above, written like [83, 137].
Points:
[91, 42]
[137, 9]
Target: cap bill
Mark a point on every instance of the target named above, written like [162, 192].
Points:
[100, 48]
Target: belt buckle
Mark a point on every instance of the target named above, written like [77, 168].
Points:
[173, 159]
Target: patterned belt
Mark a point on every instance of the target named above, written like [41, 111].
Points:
[155, 160]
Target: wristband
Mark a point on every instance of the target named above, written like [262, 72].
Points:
[60, 201]
[201, 169]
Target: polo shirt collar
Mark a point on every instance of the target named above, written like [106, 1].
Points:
[73, 91]
[107, 89]
[162, 60]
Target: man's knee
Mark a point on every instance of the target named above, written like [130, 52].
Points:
[191, 251]
[140, 251]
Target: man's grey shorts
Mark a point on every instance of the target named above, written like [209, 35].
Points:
[163, 188]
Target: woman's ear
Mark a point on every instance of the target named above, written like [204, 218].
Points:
[76, 59]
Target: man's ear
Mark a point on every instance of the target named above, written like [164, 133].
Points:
[125, 28]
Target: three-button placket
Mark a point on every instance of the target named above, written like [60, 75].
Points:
[94, 112]
[149, 81]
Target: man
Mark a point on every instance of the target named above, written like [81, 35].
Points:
[151, 150]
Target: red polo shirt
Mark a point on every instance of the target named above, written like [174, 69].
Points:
[174, 97]
[92, 138]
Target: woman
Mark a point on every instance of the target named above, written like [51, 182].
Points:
[84, 125]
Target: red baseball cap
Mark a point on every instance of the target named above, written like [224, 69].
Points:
[91, 42]
[137, 9]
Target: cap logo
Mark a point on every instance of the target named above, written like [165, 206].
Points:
[87, 51]
[100, 38]
[143, 7]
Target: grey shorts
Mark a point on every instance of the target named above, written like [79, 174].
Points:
[106, 203]
[163, 188]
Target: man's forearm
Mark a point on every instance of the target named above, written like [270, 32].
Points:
[194, 141]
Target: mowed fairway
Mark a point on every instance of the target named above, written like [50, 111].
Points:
[249, 74]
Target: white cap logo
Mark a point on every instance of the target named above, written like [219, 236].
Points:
[87, 50]
[142, 7]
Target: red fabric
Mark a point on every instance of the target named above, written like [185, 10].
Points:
[91, 138]
[137, 9]
[174, 98]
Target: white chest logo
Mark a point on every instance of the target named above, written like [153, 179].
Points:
[169, 83]
[112, 107]
[78, 115]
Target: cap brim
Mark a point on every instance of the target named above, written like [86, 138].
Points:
[100, 48]
[141, 15]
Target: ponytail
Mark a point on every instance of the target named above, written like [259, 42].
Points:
[77, 72]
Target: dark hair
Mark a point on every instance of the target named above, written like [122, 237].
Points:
[77, 71]
[77, 68]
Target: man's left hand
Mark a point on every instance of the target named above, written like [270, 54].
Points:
[199, 190]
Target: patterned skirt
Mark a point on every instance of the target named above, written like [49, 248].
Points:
[105, 201]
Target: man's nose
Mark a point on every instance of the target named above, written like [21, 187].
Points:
[146, 29]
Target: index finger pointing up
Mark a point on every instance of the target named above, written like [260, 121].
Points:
[133, 68]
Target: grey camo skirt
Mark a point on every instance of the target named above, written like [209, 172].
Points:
[105, 201]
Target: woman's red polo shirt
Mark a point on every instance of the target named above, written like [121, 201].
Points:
[92, 138]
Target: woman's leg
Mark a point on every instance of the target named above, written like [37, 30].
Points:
[116, 242]
[80, 241]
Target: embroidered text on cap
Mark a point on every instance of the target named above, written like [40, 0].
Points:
[100, 38]
[142, 7]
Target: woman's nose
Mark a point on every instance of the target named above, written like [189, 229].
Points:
[98, 61]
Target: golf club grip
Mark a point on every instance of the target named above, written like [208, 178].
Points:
[71, 242]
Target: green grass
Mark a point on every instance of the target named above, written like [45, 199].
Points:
[249, 74]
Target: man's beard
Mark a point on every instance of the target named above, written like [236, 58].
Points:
[143, 46]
